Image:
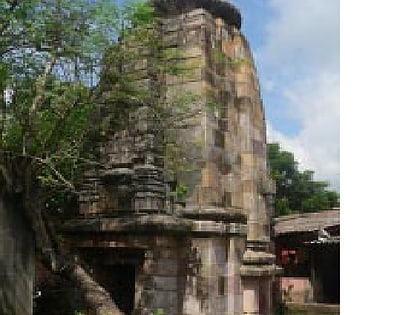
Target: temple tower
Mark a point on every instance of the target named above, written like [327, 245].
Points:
[209, 254]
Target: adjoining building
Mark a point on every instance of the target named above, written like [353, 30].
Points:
[308, 250]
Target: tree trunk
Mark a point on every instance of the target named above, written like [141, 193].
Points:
[96, 297]
[55, 257]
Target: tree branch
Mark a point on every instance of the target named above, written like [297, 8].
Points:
[6, 175]
[47, 162]
[40, 88]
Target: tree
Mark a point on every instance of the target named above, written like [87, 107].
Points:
[51, 52]
[60, 60]
[297, 191]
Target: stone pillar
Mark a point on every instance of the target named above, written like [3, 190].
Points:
[250, 287]
[139, 286]
[258, 270]
[234, 280]
[257, 299]
[145, 285]
[161, 284]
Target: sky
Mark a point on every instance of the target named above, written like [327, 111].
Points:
[296, 47]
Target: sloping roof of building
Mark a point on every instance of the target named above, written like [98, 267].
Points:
[306, 222]
[327, 241]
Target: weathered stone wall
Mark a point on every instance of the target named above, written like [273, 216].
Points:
[224, 223]
[17, 266]
[230, 172]
[232, 175]
[232, 132]
[161, 280]
[214, 288]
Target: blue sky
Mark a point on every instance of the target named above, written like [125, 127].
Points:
[296, 48]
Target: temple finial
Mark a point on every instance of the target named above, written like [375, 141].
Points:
[219, 8]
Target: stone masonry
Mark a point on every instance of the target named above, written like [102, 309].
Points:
[209, 254]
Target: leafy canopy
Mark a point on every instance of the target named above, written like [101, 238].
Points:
[297, 191]
[51, 56]
[58, 60]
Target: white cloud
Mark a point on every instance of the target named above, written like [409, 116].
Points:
[291, 144]
[268, 84]
[316, 145]
[302, 34]
[301, 57]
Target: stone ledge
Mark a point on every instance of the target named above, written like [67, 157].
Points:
[259, 271]
[150, 223]
[230, 215]
[218, 8]
[212, 227]
[258, 258]
[237, 228]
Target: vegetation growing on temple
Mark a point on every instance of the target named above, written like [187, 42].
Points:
[71, 73]
[60, 60]
[51, 53]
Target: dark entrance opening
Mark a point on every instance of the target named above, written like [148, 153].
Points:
[119, 280]
[332, 277]
[326, 273]
[116, 270]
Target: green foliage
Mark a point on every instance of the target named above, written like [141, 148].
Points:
[181, 191]
[297, 191]
[169, 62]
[52, 55]
[281, 206]
[50, 51]
[131, 79]
[140, 13]
[159, 311]
[222, 59]
[212, 102]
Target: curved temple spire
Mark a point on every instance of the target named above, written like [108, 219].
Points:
[219, 8]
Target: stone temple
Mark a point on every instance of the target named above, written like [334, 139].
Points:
[210, 254]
